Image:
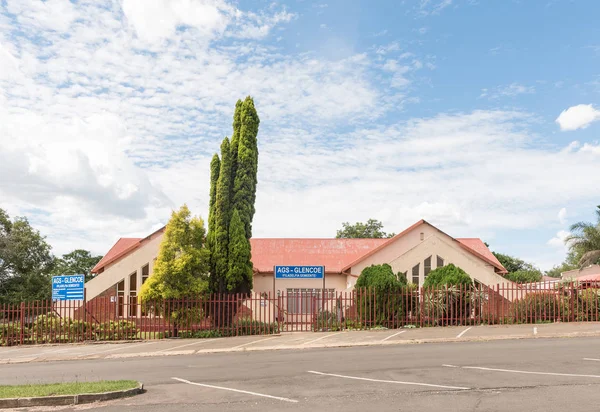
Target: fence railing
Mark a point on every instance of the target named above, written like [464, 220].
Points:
[110, 318]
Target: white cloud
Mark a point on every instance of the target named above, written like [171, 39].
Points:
[559, 241]
[578, 117]
[510, 90]
[562, 215]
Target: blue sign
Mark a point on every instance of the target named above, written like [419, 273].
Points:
[68, 287]
[299, 272]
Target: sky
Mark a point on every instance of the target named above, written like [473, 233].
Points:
[482, 117]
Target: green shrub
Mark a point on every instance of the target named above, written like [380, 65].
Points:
[448, 296]
[116, 330]
[539, 306]
[382, 297]
[10, 333]
[588, 305]
[249, 326]
[49, 328]
[326, 321]
[449, 275]
[201, 334]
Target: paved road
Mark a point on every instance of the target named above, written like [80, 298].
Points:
[534, 375]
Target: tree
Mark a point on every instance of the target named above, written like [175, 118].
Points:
[524, 276]
[181, 269]
[231, 267]
[222, 218]
[77, 262]
[370, 230]
[25, 261]
[449, 275]
[519, 271]
[239, 277]
[382, 296]
[571, 262]
[244, 187]
[215, 166]
[585, 241]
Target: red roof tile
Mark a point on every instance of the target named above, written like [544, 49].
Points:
[476, 245]
[334, 254]
[122, 247]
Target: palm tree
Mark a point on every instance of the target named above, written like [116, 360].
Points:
[585, 241]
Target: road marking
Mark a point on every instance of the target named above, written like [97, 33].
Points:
[395, 334]
[524, 372]
[236, 390]
[387, 381]
[118, 347]
[463, 332]
[322, 337]
[184, 346]
[253, 342]
[592, 359]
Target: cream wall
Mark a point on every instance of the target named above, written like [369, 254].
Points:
[122, 268]
[396, 248]
[263, 283]
[573, 274]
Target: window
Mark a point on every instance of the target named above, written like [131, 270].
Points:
[145, 273]
[415, 274]
[440, 262]
[427, 266]
[133, 294]
[306, 301]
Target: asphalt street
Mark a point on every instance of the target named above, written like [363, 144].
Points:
[517, 375]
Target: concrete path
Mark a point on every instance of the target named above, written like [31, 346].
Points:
[290, 341]
[545, 375]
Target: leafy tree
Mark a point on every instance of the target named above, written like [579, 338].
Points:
[25, 261]
[244, 187]
[181, 269]
[524, 276]
[231, 267]
[222, 218]
[239, 277]
[449, 275]
[570, 263]
[513, 264]
[77, 262]
[370, 230]
[383, 297]
[215, 166]
[585, 241]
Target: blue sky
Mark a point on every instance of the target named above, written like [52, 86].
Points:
[482, 117]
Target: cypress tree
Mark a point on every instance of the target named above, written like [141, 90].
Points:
[235, 137]
[215, 165]
[244, 187]
[239, 276]
[222, 218]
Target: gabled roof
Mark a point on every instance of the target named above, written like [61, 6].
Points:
[122, 248]
[472, 245]
[334, 254]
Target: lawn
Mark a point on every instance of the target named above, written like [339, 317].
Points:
[72, 388]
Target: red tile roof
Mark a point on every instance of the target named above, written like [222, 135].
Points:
[334, 254]
[476, 245]
[120, 249]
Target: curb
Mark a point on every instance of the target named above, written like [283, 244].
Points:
[65, 400]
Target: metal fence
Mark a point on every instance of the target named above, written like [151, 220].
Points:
[109, 318]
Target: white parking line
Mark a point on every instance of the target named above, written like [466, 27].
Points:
[387, 381]
[463, 332]
[236, 390]
[391, 336]
[253, 342]
[524, 372]
[185, 346]
[592, 359]
[321, 338]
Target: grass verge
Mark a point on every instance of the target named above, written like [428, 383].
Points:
[72, 388]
